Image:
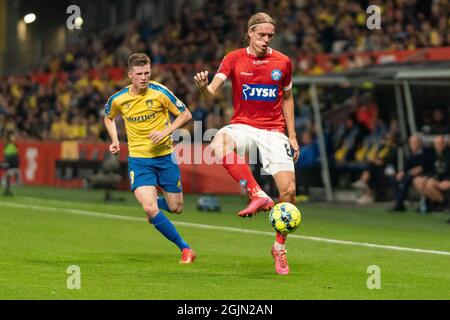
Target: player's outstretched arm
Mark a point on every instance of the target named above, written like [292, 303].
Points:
[180, 120]
[208, 90]
[110, 125]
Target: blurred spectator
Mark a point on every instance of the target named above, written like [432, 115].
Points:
[372, 179]
[60, 128]
[94, 129]
[419, 162]
[2, 124]
[439, 183]
[307, 167]
[367, 112]
[438, 123]
[303, 112]
[44, 126]
[309, 153]
[348, 138]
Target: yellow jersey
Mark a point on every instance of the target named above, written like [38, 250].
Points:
[143, 114]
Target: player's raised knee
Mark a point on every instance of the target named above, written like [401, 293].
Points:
[176, 208]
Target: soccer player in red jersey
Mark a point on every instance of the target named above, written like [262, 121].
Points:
[263, 110]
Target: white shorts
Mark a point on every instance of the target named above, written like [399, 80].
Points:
[273, 147]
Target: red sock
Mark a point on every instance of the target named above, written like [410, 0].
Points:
[281, 239]
[240, 171]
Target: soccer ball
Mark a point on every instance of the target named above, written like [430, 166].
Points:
[285, 217]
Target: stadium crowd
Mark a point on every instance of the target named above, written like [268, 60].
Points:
[62, 98]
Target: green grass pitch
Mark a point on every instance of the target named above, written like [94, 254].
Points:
[43, 231]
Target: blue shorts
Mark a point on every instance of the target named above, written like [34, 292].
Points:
[158, 171]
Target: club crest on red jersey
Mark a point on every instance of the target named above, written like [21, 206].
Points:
[276, 74]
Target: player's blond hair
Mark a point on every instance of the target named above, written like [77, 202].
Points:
[138, 60]
[257, 18]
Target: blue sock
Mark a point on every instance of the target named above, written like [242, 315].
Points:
[162, 204]
[163, 225]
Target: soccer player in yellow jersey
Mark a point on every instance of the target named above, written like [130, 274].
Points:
[144, 107]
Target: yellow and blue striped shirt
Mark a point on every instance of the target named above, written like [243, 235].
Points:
[143, 114]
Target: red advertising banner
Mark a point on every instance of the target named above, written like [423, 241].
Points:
[38, 166]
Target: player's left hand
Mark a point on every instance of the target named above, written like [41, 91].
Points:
[156, 136]
[294, 145]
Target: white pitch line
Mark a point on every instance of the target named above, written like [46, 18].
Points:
[210, 227]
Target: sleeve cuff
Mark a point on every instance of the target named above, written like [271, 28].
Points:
[221, 76]
[287, 88]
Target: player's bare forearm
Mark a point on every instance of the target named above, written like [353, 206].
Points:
[209, 91]
[157, 136]
[110, 125]
[179, 121]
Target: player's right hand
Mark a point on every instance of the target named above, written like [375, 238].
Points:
[201, 79]
[114, 147]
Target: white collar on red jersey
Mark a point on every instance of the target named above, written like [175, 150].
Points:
[269, 51]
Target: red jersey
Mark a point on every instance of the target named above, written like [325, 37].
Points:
[258, 85]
